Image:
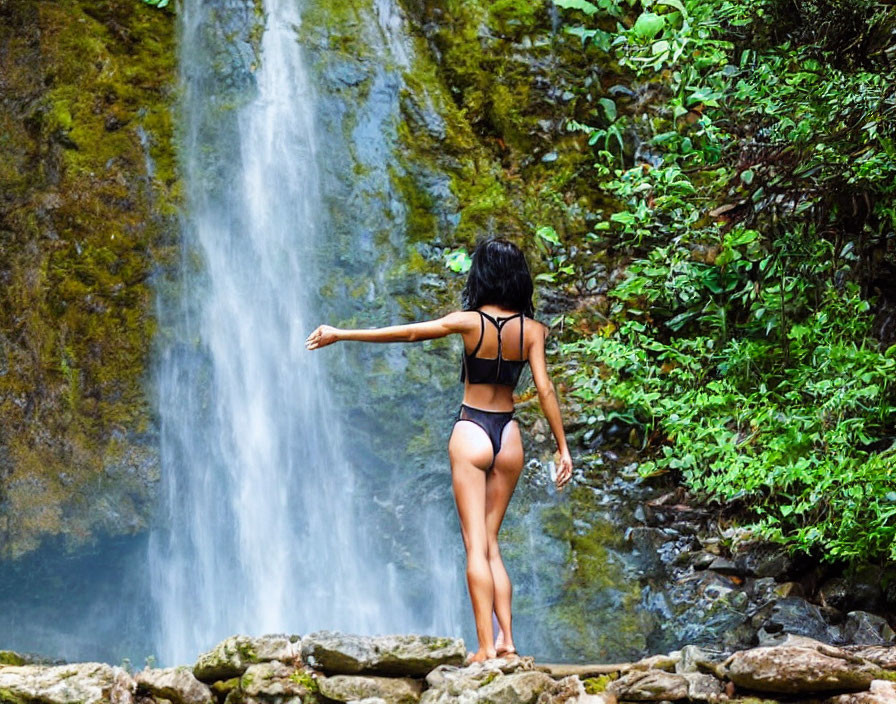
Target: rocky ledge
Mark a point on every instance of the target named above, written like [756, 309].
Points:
[328, 667]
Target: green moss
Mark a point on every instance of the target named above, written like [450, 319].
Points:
[306, 680]
[87, 224]
[7, 696]
[596, 685]
[8, 657]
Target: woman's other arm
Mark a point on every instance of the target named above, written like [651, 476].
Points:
[457, 322]
[547, 397]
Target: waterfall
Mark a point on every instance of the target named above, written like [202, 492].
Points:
[262, 527]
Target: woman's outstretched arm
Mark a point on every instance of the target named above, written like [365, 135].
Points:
[547, 397]
[457, 322]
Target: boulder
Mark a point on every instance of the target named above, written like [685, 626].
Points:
[792, 615]
[231, 657]
[879, 692]
[800, 665]
[402, 655]
[275, 680]
[177, 684]
[81, 683]
[458, 680]
[490, 682]
[649, 685]
[863, 628]
[516, 688]
[392, 690]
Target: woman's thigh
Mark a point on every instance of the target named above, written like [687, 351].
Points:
[470, 452]
[502, 480]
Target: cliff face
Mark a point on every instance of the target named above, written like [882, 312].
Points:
[88, 197]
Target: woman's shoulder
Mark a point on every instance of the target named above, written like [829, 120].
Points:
[537, 328]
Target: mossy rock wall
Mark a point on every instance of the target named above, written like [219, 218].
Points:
[88, 202]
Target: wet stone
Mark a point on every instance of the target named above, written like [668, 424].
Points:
[231, 657]
[408, 655]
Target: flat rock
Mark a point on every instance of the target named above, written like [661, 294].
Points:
[81, 683]
[457, 680]
[275, 680]
[231, 657]
[176, 684]
[403, 655]
[879, 692]
[882, 655]
[800, 665]
[391, 690]
[516, 688]
[649, 685]
[583, 671]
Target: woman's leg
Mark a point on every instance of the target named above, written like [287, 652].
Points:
[471, 453]
[499, 486]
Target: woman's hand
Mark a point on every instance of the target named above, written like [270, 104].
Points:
[564, 469]
[324, 335]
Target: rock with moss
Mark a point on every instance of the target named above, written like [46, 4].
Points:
[176, 684]
[233, 656]
[89, 200]
[798, 666]
[649, 685]
[392, 690]
[274, 681]
[523, 687]
[402, 655]
[81, 683]
[9, 657]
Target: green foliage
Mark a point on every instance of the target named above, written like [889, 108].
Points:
[740, 340]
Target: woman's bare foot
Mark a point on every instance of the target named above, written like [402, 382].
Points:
[508, 652]
[480, 656]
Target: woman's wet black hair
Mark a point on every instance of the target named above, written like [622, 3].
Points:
[499, 276]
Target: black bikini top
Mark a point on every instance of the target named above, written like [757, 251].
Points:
[497, 370]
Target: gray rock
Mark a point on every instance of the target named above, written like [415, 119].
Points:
[275, 679]
[232, 656]
[649, 685]
[392, 690]
[723, 565]
[659, 662]
[176, 684]
[516, 688]
[862, 628]
[81, 683]
[766, 560]
[883, 656]
[571, 690]
[702, 687]
[792, 615]
[457, 680]
[408, 655]
[879, 692]
[696, 659]
[800, 665]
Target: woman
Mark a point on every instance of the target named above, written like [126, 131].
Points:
[486, 452]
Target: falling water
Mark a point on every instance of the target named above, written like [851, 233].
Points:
[262, 526]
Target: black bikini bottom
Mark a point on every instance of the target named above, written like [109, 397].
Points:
[492, 422]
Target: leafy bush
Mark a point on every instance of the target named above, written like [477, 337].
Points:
[760, 210]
